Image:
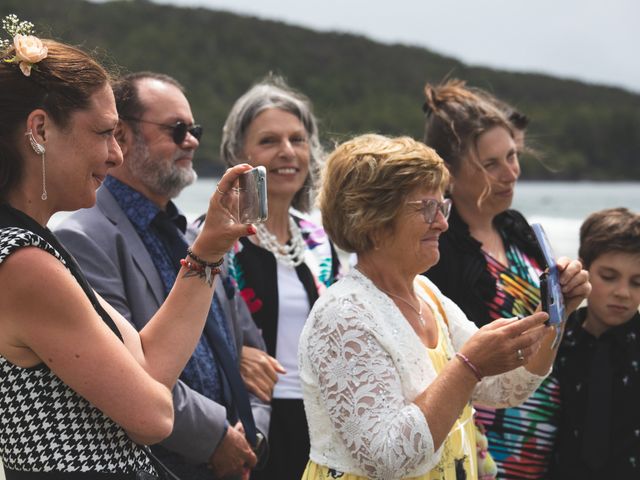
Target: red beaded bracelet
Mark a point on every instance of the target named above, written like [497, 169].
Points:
[200, 270]
[468, 363]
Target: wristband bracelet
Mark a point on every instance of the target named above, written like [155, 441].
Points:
[197, 269]
[202, 262]
[471, 366]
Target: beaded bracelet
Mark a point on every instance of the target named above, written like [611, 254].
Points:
[202, 262]
[468, 363]
[201, 268]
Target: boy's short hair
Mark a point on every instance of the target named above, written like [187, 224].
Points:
[609, 230]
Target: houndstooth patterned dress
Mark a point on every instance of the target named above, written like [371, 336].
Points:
[44, 425]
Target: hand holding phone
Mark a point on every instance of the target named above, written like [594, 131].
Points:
[252, 201]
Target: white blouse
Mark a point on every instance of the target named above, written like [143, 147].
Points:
[293, 309]
[362, 365]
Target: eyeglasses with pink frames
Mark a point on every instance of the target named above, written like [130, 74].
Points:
[430, 208]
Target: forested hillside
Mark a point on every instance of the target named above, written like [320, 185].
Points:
[581, 131]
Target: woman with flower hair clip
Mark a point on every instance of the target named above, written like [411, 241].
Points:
[82, 391]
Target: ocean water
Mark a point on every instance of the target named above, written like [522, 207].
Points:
[559, 206]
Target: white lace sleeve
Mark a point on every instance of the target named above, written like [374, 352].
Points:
[360, 387]
[506, 390]
[499, 391]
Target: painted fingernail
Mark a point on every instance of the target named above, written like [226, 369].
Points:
[251, 230]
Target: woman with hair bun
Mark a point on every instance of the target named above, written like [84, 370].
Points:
[490, 263]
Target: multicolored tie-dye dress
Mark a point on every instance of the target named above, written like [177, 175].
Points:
[520, 439]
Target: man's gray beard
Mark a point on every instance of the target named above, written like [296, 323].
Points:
[162, 179]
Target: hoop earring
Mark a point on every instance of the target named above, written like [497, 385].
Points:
[39, 149]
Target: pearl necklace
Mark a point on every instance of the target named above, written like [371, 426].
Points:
[291, 254]
[418, 311]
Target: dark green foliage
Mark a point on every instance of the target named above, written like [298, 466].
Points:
[580, 131]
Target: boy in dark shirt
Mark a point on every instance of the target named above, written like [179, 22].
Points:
[598, 365]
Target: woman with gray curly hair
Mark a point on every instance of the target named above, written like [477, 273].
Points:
[281, 271]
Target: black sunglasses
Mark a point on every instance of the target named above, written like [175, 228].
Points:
[178, 130]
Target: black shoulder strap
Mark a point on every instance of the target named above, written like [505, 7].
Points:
[10, 217]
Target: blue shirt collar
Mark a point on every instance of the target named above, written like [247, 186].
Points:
[139, 209]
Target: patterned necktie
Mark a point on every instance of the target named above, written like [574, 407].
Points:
[172, 238]
[217, 333]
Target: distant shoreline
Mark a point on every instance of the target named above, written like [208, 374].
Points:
[521, 181]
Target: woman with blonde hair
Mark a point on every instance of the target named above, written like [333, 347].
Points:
[390, 366]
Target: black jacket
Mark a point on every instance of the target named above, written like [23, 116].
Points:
[462, 274]
[619, 453]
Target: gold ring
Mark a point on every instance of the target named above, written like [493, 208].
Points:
[220, 191]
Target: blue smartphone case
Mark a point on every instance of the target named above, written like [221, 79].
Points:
[550, 289]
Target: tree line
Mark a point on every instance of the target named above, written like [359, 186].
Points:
[578, 131]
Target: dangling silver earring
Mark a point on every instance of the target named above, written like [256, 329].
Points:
[39, 149]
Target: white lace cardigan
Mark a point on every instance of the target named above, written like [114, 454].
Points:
[361, 365]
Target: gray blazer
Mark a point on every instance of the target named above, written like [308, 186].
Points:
[118, 266]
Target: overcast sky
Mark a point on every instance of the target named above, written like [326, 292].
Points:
[592, 40]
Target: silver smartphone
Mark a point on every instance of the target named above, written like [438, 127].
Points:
[252, 201]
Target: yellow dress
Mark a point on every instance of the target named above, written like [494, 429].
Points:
[459, 444]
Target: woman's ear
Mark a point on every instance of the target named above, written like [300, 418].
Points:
[452, 179]
[37, 123]
[449, 189]
[375, 240]
[380, 237]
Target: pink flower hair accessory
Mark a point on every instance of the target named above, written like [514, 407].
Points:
[29, 49]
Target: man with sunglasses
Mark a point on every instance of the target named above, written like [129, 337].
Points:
[135, 233]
